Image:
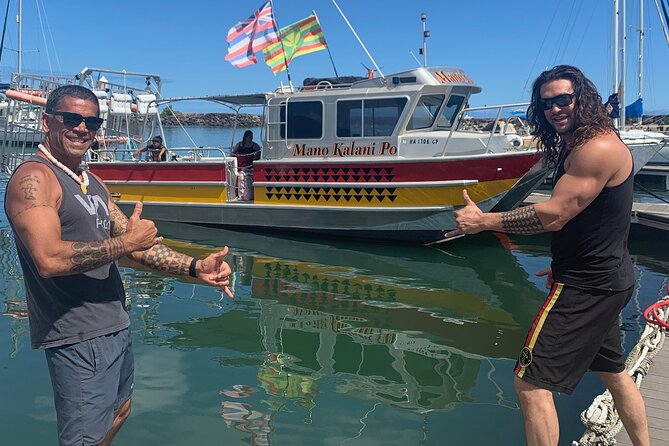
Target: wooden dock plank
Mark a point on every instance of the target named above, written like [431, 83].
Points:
[655, 391]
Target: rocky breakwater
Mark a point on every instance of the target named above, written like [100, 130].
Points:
[212, 119]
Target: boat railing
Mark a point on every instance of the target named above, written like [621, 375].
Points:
[492, 120]
[175, 154]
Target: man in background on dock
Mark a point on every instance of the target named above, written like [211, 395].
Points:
[69, 235]
[591, 278]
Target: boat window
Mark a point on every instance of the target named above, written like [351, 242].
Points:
[305, 120]
[369, 117]
[450, 111]
[426, 111]
[349, 118]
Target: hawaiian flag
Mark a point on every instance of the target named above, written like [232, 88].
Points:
[298, 39]
[251, 35]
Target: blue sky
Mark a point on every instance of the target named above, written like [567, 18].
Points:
[503, 46]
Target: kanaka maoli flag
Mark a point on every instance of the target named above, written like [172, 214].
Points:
[250, 36]
[300, 38]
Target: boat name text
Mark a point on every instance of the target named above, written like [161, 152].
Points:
[345, 149]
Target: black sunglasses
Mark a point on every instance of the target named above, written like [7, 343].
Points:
[93, 123]
[561, 100]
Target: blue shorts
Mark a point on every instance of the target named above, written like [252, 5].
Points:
[91, 380]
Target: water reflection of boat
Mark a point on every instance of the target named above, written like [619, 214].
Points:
[412, 327]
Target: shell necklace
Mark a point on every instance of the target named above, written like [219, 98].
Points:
[83, 184]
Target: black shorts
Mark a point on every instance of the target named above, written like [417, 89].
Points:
[576, 330]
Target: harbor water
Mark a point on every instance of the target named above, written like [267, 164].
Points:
[326, 341]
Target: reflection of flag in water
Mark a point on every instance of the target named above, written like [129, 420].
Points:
[300, 38]
[250, 36]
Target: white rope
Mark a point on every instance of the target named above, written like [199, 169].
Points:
[46, 47]
[601, 418]
[53, 44]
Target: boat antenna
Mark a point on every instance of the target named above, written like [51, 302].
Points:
[359, 41]
[426, 34]
[327, 47]
[415, 58]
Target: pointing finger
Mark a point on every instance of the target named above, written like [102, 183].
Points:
[453, 233]
[228, 292]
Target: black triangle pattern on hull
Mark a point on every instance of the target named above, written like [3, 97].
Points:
[326, 174]
[315, 194]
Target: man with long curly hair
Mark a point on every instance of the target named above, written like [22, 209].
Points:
[591, 278]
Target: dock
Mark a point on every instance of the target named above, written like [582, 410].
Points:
[653, 215]
[657, 175]
[655, 391]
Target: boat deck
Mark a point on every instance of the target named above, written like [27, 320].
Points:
[657, 175]
[655, 391]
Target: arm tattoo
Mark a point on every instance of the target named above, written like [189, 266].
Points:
[31, 206]
[164, 259]
[118, 219]
[522, 221]
[91, 255]
[28, 185]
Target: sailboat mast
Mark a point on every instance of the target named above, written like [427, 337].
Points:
[640, 96]
[19, 18]
[623, 64]
[616, 11]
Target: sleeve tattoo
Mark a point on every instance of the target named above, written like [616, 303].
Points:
[90, 255]
[523, 220]
[164, 259]
[158, 257]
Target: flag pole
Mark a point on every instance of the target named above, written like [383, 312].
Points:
[327, 47]
[283, 50]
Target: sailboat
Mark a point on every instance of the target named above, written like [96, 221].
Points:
[634, 137]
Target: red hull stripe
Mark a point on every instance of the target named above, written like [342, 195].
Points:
[488, 169]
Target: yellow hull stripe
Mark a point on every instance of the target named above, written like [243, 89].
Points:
[340, 196]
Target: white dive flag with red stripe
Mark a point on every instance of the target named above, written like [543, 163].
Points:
[251, 35]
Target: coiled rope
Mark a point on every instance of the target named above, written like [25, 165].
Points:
[601, 418]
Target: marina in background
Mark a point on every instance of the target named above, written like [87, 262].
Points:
[348, 341]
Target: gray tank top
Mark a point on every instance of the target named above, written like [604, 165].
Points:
[68, 309]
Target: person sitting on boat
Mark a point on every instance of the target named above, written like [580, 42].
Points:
[246, 151]
[157, 150]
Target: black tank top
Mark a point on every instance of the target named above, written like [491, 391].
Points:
[590, 251]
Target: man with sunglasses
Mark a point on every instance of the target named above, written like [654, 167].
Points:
[69, 235]
[591, 278]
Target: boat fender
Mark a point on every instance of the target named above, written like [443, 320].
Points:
[26, 97]
[514, 141]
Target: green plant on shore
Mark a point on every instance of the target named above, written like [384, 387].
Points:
[169, 111]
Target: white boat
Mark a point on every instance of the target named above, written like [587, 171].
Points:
[377, 158]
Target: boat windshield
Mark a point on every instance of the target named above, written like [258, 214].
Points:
[450, 111]
[426, 111]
